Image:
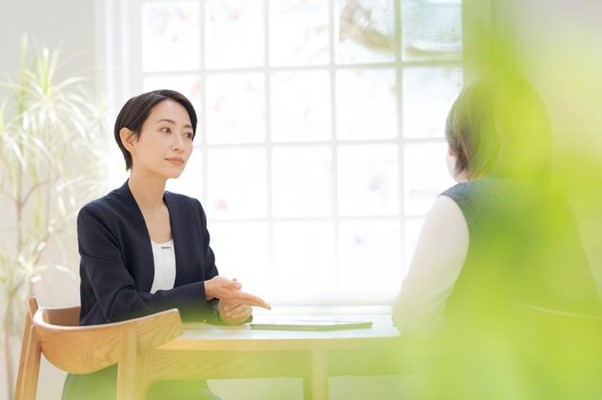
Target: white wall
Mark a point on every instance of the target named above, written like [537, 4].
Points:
[66, 24]
[70, 26]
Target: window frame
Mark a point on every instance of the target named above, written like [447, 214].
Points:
[119, 79]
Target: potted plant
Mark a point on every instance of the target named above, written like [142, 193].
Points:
[52, 162]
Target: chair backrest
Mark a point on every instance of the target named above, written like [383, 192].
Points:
[558, 324]
[85, 349]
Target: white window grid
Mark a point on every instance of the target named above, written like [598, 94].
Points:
[127, 80]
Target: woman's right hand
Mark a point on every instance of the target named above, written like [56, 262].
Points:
[228, 290]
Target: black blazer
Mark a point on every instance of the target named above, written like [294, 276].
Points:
[116, 267]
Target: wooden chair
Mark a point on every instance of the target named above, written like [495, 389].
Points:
[85, 349]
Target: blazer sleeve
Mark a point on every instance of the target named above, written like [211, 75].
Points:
[210, 268]
[110, 291]
[209, 262]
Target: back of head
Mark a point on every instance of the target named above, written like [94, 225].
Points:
[499, 127]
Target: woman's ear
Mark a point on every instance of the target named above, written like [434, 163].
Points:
[459, 174]
[127, 137]
[451, 161]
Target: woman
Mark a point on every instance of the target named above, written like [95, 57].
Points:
[145, 250]
[486, 239]
[500, 240]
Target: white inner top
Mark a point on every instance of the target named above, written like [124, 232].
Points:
[164, 257]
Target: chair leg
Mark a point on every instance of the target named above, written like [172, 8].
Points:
[29, 363]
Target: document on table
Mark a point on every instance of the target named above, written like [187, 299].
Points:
[292, 324]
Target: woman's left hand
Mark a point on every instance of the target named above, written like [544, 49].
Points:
[234, 313]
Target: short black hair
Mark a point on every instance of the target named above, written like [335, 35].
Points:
[136, 110]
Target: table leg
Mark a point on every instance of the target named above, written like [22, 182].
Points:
[315, 387]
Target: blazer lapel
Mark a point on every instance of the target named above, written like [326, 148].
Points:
[145, 267]
[177, 222]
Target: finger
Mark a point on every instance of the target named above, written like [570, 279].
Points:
[224, 307]
[238, 309]
[234, 284]
[252, 300]
[239, 297]
[240, 313]
[228, 306]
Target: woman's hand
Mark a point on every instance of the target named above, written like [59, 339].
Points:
[219, 287]
[228, 291]
[233, 313]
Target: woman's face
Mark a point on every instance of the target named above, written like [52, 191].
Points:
[165, 141]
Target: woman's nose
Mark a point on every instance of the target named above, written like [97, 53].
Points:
[178, 144]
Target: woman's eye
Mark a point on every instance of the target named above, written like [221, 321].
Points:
[189, 135]
[166, 130]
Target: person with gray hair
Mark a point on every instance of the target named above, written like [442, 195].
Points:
[501, 238]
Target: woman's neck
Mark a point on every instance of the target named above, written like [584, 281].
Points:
[147, 192]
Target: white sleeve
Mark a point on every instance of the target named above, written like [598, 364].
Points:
[435, 267]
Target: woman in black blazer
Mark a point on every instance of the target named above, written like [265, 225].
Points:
[145, 250]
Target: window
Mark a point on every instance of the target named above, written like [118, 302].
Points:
[320, 140]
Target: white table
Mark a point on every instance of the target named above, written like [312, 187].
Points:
[222, 352]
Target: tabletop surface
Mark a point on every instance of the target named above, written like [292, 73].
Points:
[199, 336]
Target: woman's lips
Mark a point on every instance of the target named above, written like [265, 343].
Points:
[176, 160]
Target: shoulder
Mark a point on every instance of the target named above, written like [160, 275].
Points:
[490, 187]
[98, 206]
[444, 215]
[115, 203]
[186, 205]
[464, 191]
[182, 200]
[478, 195]
[445, 225]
